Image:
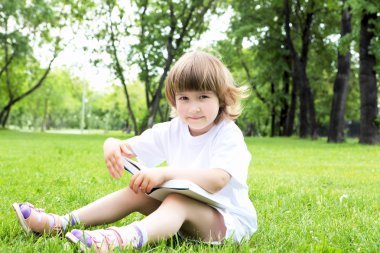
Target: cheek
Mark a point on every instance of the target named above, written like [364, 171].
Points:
[180, 109]
[217, 107]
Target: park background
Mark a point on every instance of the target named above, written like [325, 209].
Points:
[99, 67]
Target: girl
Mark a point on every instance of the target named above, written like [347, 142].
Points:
[201, 143]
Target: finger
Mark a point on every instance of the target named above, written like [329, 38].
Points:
[117, 171]
[133, 178]
[144, 185]
[135, 182]
[138, 182]
[149, 188]
[113, 172]
[109, 167]
[120, 167]
[128, 153]
[117, 164]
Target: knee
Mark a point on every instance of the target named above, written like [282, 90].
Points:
[176, 200]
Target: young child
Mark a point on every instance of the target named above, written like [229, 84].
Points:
[202, 144]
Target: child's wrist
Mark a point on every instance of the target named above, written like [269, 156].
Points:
[168, 175]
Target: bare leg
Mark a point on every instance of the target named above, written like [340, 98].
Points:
[176, 212]
[195, 219]
[116, 206]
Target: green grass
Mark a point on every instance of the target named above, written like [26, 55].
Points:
[295, 185]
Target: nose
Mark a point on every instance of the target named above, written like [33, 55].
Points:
[194, 108]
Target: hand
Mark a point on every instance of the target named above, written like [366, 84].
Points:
[147, 179]
[114, 149]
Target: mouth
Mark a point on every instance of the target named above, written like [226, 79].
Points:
[194, 118]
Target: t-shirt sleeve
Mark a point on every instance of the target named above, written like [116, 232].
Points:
[149, 146]
[231, 154]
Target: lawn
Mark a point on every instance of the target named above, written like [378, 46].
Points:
[310, 196]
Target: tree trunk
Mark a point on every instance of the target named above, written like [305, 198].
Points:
[153, 109]
[308, 123]
[292, 111]
[311, 112]
[338, 107]
[119, 73]
[285, 109]
[369, 132]
[8, 61]
[304, 105]
[4, 113]
[273, 112]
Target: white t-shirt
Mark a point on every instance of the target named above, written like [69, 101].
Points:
[221, 147]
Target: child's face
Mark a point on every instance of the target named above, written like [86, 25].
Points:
[198, 109]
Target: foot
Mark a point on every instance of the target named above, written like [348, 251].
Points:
[36, 220]
[105, 240]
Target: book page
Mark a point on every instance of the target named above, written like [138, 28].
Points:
[131, 166]
[185, 187]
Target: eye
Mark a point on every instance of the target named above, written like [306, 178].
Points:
[183, 98]
[202, 97]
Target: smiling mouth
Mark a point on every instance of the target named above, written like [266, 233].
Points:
[194, 118]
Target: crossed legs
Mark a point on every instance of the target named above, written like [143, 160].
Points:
[116, 206]
[163, 220]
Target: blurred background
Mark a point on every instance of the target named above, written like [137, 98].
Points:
[99, 65]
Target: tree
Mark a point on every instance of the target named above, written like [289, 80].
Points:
[56, 104]
[24, 26]
[338, 108]
[167, 29]
[114, 31]
[369, 128]
[152, 35]
[308, 124]
[282, 35]
[255, 54]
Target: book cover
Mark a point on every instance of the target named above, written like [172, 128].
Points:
[185, 187]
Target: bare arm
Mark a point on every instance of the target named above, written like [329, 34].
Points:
[212, 180]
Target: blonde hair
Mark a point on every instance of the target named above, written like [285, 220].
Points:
[200, 71]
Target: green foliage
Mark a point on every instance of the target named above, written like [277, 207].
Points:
[152, 35]
[254, 52]
[24, 26]
[58, 105]
[377, 122]
[55, 105]
[109, 108]
[310, 196]
[166, 30]
[256, 39]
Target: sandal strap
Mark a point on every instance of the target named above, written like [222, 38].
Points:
[119, 236]
[38, 221]
[57, 227]
[32, 207]
[103, 240]
[127, 240]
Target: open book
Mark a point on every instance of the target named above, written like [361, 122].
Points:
[185, 187]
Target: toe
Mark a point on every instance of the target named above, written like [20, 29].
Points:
[86, 239]
[25, 210]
